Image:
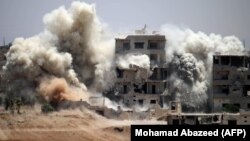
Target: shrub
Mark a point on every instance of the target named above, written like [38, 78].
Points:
[231, 108]
[1, 101]
[47, 108]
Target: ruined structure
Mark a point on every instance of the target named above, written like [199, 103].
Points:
[136, 85]
[3, 50]
[175, 116]
[231, 83]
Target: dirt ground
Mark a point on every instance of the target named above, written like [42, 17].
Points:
[80, 125]
[66, 125]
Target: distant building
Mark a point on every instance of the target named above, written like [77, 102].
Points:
[231, 83]
[150, 90]
[3, 50]
[175, 116]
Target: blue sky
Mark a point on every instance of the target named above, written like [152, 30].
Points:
[23, 18]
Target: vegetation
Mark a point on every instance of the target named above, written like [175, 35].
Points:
[13, 104]
[1, 101]
[231, 108]
[47, 108]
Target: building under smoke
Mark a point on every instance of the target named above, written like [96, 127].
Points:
[148, 76]
[141, 70]
[231, 83]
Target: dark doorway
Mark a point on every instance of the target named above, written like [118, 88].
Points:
[144, 88]
[153, 89]
[232, 122]
[125, 89]
[176, 122]
[152, 101]
[140, 101]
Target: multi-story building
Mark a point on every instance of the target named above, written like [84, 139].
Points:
[231, 83]
[150, 90]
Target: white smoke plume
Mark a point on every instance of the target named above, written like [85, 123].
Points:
[140, 60]
[190, 55]
[72, 48]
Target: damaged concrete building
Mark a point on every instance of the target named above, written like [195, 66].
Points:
[175, 116]
[231, 83]
[150, 89]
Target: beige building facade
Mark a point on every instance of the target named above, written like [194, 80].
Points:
[149, 91]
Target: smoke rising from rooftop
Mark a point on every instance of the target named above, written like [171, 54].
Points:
[141, 60]
[190, 55]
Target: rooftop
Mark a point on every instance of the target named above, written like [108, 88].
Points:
[143, 36]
